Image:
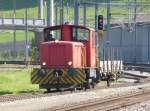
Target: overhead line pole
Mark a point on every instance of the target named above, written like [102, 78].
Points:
[108, 20]
[62, 12]
[26, 37]
[84, 15]
[135, 28]
[76, 12]
[108, 38]
[50, 12]
[14, 33]
[40, 9]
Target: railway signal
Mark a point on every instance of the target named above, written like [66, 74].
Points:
[100, 22]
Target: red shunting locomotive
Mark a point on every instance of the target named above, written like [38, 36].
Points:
[68, 58]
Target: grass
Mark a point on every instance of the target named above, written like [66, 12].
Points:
[7, 36]
[17, 81]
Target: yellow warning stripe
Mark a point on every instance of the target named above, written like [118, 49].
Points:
[81, 73]
[50, 78]
[49, 72]
[66, 77]
[52, 81]
[44, 79]
[76, 79]
[34, 80]
[33, 77]
[63, 80]
[73, 78]
[70, 78]
[37, 79]
[80, 76]
[33, 74]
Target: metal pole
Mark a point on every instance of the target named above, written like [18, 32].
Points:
[26, 37]
[40, 9]
[135, 30]
[50, 12]
[62, 12]
[108, 20]
[56, 14]
[14, 7]
[96, 15]
[84, 16]
[76, 12]
[108, 40]
[97, 38]
[148, 45]
[108, 27]
[67, 11]
[14, 33]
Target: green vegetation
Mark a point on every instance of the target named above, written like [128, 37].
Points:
[7, 36]
[16, 82]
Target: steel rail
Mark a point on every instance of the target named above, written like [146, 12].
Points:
[109, 103]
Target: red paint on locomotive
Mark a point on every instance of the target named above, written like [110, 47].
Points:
[62, 54]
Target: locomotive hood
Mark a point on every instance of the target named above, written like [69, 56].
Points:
[62, 54]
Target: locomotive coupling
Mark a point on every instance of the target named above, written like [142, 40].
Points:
[57, 73]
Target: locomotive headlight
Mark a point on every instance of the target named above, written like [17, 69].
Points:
[70, 63]
[43, 63]
[56, 41]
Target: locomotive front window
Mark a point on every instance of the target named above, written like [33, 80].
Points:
[56, 34]
[80, 34]
[51, 35]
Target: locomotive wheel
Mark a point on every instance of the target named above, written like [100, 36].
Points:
[81, 87]
[108, 82]
[48, 90]
[93, 85]
[86, 86]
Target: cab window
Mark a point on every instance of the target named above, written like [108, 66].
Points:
[80, 34]
[51, 35]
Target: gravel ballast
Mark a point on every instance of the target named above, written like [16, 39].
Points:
[37, 104]
[144, 106]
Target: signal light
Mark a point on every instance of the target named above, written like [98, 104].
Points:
[100, 22]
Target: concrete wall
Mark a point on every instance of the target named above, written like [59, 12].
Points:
[134, 45]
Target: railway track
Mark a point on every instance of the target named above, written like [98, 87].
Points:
[110, 103]
[138, 67]
[24, 96]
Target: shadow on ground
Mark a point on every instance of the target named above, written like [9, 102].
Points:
[29, 91]
[5, 92]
